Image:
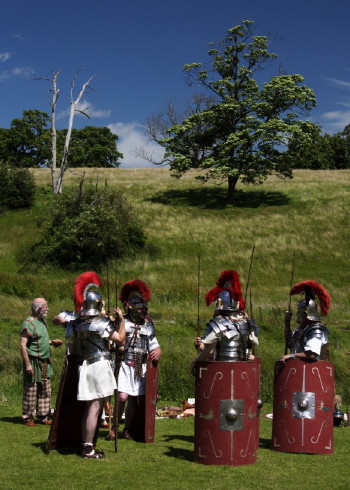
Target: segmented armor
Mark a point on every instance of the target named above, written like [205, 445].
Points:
[88, 338]
[140, 340]
[317, 332]
[233, 337]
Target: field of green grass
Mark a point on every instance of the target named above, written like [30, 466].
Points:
[307, 216]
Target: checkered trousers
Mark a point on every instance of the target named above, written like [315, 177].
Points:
[36, 396]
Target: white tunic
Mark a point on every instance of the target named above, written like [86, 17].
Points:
[126, 379]
[96, 380]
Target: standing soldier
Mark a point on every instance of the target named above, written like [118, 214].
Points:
[88, 376]
[304, 379]
[226, 420]
[141, 343]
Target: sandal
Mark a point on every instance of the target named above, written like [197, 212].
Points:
[90, 452]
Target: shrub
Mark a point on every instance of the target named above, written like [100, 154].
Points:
[88, 228]
[17, 187]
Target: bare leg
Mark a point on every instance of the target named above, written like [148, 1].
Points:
[90, 419]
[121, 405]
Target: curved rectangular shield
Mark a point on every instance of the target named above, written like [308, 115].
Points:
[151, 399]
[303, 407]
[226, 413]
[65, 430]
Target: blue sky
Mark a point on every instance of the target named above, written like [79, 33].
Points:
[136, 50]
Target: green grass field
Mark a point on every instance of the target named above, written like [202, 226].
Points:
[308, 216]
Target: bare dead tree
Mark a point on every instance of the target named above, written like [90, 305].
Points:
[158, 127]
[57, 173]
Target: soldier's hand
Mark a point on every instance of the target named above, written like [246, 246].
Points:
[118, 314]
[155, 354]
[198, 343]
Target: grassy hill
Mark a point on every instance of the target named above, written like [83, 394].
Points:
[308, 216]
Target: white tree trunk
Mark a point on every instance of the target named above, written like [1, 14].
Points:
[57, 180]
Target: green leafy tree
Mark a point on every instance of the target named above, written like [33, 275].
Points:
[17, 187]
[93, 146]
[4, 144]
[244, 133]
[322, 151]
[29, 140]
[87, 228]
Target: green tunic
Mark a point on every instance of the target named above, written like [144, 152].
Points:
[38, 347]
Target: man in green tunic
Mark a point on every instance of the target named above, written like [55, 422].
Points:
[37, 369]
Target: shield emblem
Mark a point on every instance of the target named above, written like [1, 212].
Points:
[226, 414]
[303, 407]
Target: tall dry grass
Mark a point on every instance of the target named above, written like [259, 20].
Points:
[307, 216]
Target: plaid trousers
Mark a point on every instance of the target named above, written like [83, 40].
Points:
[36, 396]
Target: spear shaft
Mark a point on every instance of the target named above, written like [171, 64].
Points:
[198, 300]
[250, 268]
[286, 331]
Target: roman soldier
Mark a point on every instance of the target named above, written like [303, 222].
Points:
[304, 378]
[226, 415]
[141, 344]
[88, 376]
[310, 338]
[230, 335]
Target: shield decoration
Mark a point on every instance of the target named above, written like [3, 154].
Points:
[226, 413]
[151, 399]
[303, 407]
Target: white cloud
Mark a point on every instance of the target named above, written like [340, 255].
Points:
[131, 139]
[337, 119]
[19, 72]
[340, 83]
[5, 56]
[18, 35]
[88, 108]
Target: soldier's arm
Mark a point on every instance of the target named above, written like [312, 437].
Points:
[203, 355]
[119, 336]
[300, 355]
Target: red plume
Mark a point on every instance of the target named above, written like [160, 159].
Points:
[212, 295]
[134, 285]
[322, 294]
[228, 281]
[81, 282]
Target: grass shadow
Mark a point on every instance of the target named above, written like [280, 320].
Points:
[265, 443]
[184, 454]
[215, 198]
[12, 420]
[179, 437]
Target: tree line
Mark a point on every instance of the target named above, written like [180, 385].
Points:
[238, 128]
[27, 143]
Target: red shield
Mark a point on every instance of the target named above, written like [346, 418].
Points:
[65, 430]
[151, 399]
[226, 414]
[303, 407]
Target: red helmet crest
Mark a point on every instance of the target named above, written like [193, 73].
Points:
[310, 289]
[132, 286]
[228, 281]
[86, 279]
